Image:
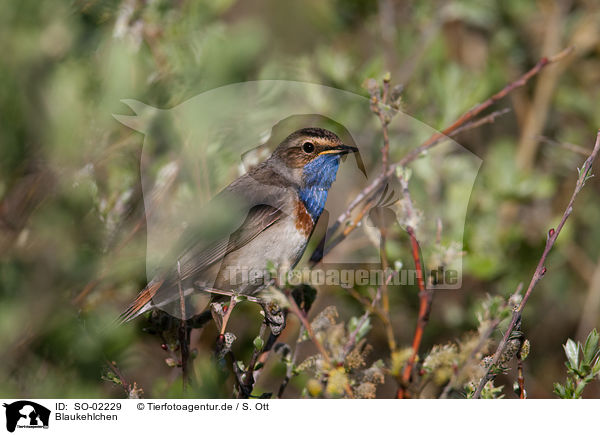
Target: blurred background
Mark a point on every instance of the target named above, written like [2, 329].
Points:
[72, 226]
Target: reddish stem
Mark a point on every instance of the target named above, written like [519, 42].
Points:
[423, 317]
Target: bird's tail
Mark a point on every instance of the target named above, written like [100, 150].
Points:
[143, 301]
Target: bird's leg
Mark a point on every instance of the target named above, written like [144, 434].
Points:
[232, 302]
[220, 314]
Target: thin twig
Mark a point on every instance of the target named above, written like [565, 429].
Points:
[566, 145]
[385, 120]
[483, 338]
[436, 138]
[375, 309]
[425, 301]
[303, 319]
[385, 150]
[291, 365]
[124, 383]
[488, 119]
[477, 109]
[520, 376]
[385, 298]
[184, 335]
[266, 352]
[370, 309]
[229, 293]
[425, 295]
[131, 389]
[247, 379]
[540, 270]
[289, 372]
[352, 339]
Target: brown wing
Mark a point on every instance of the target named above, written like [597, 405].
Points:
[259, 218]
[196, 259]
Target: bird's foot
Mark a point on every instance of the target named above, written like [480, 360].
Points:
[224, 343]
[274, 317]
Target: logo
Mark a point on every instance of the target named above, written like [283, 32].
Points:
[26, 414]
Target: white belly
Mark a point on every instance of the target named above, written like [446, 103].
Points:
[281, 245]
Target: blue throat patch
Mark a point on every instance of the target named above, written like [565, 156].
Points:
[318, 176]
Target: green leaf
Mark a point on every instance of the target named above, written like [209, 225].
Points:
[353, 323]
[572, 352]
[258, 343]
[590, 349]
[559, 390]
[364, 329]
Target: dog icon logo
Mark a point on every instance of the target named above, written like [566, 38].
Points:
[26, 414]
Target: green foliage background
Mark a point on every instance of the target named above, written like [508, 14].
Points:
[72, 241]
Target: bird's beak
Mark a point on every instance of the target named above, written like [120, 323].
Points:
[339, 149]
[345, 149]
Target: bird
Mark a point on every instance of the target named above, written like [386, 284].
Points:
[265, 216]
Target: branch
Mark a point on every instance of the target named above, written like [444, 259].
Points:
[425, 295]
[289, 371]
[566, 145]
[132, 390]
[377, 310]
[540, 270]
[385, 105]
[480, 344]
[247, 380]
[184, 335]
[488, 119]
[520, 376]
[477, 109]
[302, 317]
[370, 309]
[385, 120]
[436, 138]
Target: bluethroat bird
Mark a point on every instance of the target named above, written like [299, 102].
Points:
[263, 217]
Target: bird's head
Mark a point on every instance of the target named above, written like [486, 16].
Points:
[310, 157]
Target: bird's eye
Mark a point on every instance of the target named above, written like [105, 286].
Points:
[308, 147]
